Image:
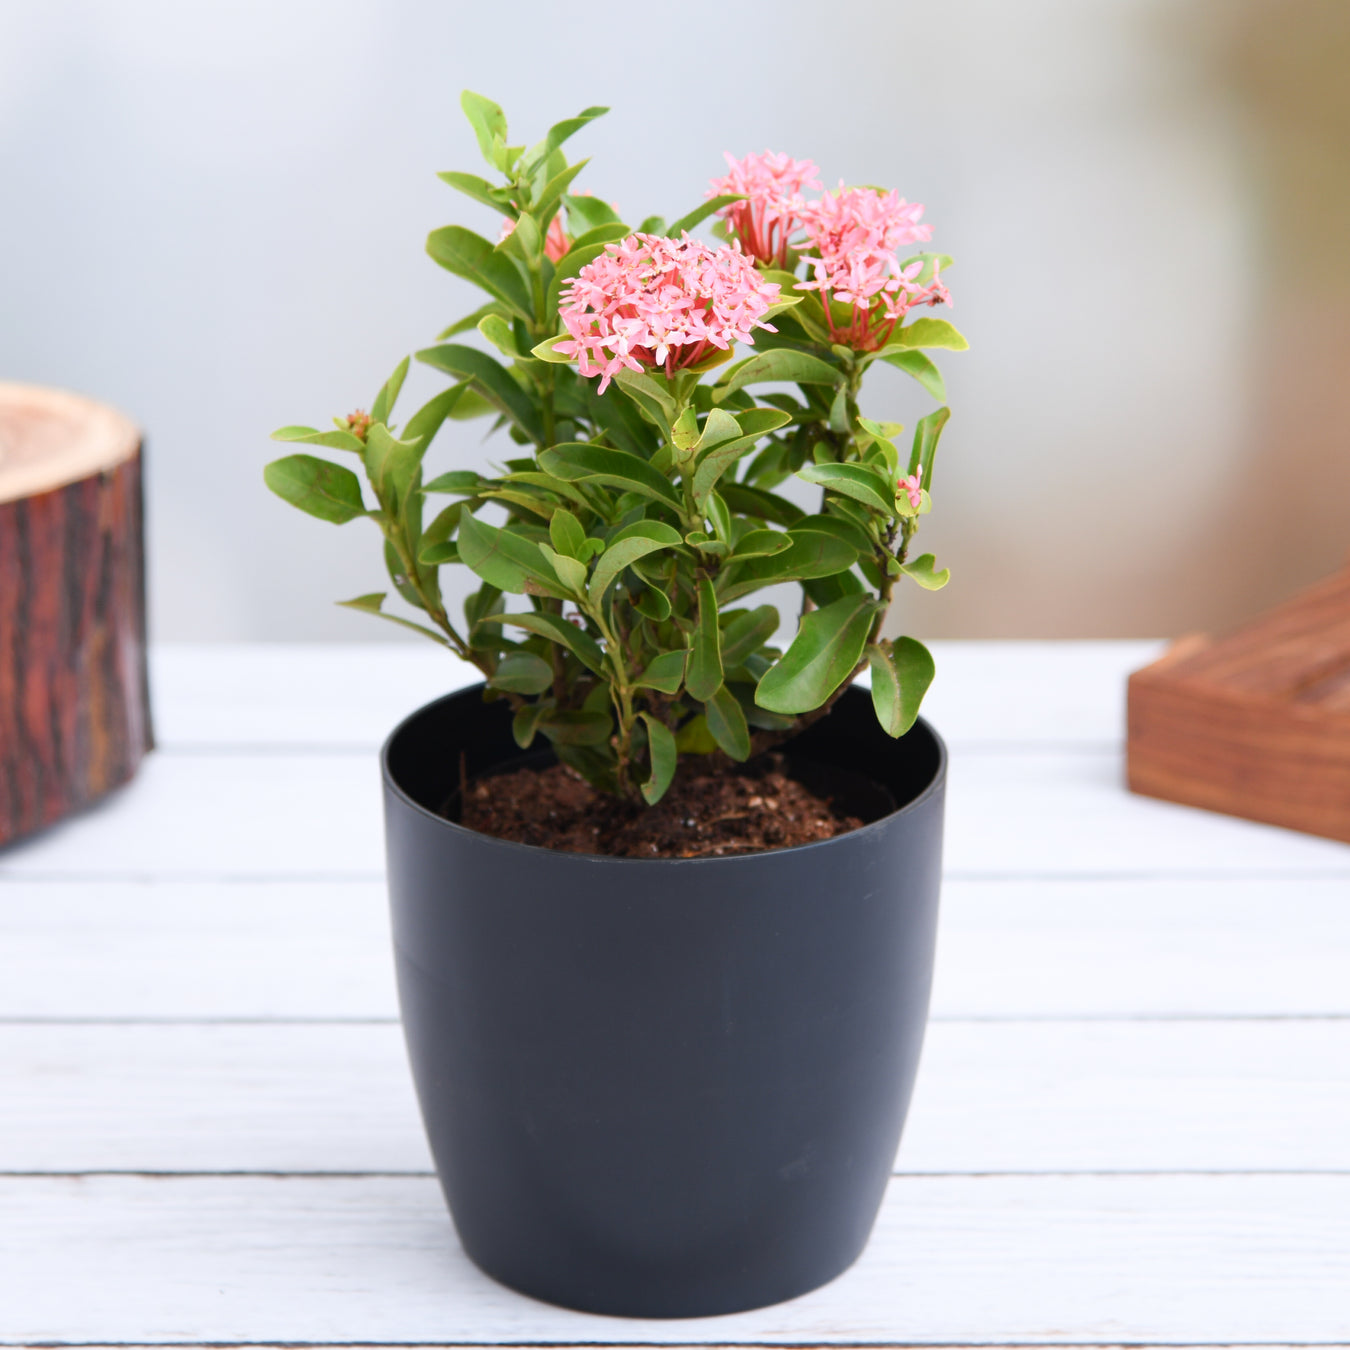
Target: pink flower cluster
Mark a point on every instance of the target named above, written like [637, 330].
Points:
[912, 488]
[855, 235]
[773, 211]
[648, 302]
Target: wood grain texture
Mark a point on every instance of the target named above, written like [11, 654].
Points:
[954, 1260]
[74, 702]
[1257, 723]
[1009, 1097]
[1021, 950]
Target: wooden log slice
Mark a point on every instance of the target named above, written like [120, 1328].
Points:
[74, 699]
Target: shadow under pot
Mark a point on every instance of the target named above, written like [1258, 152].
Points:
[663, 1087]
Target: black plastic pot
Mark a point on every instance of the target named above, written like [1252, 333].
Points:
[663, 1088]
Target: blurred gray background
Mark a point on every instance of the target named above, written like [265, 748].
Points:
[214, 216]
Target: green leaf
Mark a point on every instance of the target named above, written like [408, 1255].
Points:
[570, 572]
[761, 544]
[463, 482]
[470, 321]
[653, 225]
[434, 555]
[662, 754]
[665, 672]
[427, 420]
[915, 363]
[502, 336]
[726, 722]
[778, 364]
[557, 629]
[631, 543]
[567, 535]
[370, 604]
[717, 454]
[615, 468]
[822, 656]
[585, 212]
[490, 379]
[922, 571]
[522, 673]
[694, 738]
[901, 673]
[552, 194]
[562, 131]
[812, 554]
[470, 256]
[654, 604]
[648, 390]
[701, 213]
[746, 632]
[859, 481]
[488, 122]
[325, 490]
[497, 198]
[330, 440]
[525, 723]
[576, 728]
[704, 677]
[392, 466]
[927, 433]
[930, 333]
[505, 560]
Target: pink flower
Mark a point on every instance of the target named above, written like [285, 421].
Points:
[556, 242]
[772, 184]
[912, 488]
[857, 232]
[648, 301]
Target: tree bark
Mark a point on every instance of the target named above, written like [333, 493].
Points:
[74, 696]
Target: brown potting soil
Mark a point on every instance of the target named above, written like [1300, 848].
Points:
[743, 808]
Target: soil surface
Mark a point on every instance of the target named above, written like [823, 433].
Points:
[745, 809]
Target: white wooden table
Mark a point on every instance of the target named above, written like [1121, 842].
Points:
[1132, 1123]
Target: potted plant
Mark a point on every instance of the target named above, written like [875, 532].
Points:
[664, 894]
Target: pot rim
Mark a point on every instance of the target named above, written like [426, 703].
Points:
[935, 786]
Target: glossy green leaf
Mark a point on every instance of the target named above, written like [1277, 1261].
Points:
[428, 419]
[370, 604]
[570, 572]
[704, 675]
[901, 673]
[822, 656]
[716, 454]
[505, 560]
[490, 379]
[393, 467]
[923, 571]
[927, 433]
[701, 213]
[630, 544]
[522, 673]
[488, 122]
[861, 482]
[726, 722]
[930, 333]
[557, 629]
[502, 336]
[567, 535]
[470, 256]
[665, 672]
[480, 190]
[754, 501]
[662, 754]
[778, 364]
[761, 544]
[811, 554]
[546, 207]
[330, 440]
[462, 482]
[325, 490]
[525, 724]
[576, 728]
[746, 631]
[915, 363]
[654, 604]
[694, 738]
[615, 468]
[585, 212]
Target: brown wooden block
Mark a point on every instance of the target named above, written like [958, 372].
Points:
[74, 706]
[1254, 724]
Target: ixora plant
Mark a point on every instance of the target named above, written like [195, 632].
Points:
[662, 1082]
[639, 516]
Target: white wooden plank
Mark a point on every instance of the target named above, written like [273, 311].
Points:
[293, 815]
[955, 1260]
[193, 950]
[328, 694]
[1026, 949]
[991, 1097]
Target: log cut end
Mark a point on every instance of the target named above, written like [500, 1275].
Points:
[74, 704]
